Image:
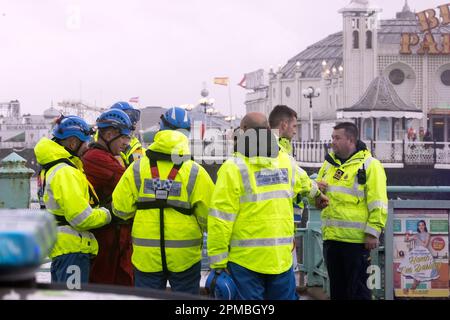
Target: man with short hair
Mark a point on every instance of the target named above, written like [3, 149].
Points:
[135, 150]
[250, 223]
[355, 183]
[284, 119]
[113, 262]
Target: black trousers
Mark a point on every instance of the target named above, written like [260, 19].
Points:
[347, 265]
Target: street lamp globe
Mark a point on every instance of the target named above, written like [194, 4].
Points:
[204, 93]
[311, 93]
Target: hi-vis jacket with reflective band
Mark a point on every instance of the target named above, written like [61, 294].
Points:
[66, 195]
[192, 189]
[354, 209]
[251, 218]
[134, 152]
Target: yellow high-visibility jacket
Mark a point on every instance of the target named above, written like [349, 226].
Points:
[134, 152]
[355, 209]
[66, 195]
[191, 190]
[285, 145]
[251, 221]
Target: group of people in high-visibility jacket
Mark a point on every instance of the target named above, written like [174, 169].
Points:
[141, 220]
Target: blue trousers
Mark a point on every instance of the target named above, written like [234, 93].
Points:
[187, 281]
[257, 286]
[62, 267]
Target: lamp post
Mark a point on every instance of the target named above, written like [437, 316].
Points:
[311, 93]
[206, 103]
[210, 111]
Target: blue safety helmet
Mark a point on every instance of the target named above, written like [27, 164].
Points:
[115, 118]
[221, 286]
[175, 118]
[72, 126]
[134, 114]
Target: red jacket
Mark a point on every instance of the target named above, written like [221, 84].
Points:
[112, 265]
[103, 171]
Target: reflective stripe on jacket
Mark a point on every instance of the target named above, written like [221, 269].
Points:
[251, 218]
[66, 195]
[355, 209]
[192, 189]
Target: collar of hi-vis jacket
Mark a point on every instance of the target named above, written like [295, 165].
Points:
[48, 151]
[285, 145]
[134, 145]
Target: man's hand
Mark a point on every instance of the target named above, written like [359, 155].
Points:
[371, 242]
[322, 201]
[323, 186]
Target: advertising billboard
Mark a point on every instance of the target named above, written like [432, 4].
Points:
[420, 253]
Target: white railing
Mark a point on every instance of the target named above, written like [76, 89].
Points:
[393, 152]
[17, 145]
[402, 152]
[310, 151]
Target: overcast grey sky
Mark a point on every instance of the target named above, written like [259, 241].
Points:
[161, 51]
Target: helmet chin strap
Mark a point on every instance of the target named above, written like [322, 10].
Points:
[108, 143]
[74, 152]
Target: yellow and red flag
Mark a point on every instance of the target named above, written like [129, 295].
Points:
[222, 81]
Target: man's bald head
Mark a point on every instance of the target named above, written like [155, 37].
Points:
[254, 120]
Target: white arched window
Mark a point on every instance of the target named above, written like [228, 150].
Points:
[367, 129]
[384, 132]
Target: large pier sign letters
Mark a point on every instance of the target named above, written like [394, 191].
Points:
[427, 42]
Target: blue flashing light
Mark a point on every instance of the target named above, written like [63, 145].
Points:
[26, 237]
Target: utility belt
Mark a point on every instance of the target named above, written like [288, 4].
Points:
[162, 204]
